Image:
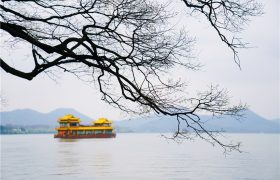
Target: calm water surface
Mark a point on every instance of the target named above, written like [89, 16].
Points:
[137, 156]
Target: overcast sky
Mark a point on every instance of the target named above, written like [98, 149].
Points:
[257, 84]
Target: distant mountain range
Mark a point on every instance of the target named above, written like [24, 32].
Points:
[253, 123]
[29, 117]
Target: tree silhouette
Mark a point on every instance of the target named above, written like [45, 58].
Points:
[127, 47]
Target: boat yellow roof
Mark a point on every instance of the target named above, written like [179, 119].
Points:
[69, 118]
[102, 121]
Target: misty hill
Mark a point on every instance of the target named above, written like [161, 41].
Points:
[252, 123]
[276, 120]
[29, 117]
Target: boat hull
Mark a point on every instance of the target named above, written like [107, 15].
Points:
[84, 136]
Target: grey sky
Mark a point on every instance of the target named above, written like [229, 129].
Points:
[257, 84]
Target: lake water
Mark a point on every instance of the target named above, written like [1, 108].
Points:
[137, 156]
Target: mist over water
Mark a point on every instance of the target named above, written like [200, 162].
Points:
[137, 156]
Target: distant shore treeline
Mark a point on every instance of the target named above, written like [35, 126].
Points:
[14, 129]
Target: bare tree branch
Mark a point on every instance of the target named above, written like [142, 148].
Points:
[127, 47]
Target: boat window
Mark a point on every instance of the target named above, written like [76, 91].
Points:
[73, 124]
[81, 132]
[98, 132]
[63, 124]
[108, 132]
[89, 132]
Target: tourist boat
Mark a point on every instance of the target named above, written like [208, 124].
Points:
[70, 128]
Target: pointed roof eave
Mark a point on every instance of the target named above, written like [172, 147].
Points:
[102, 121]
[69, 117]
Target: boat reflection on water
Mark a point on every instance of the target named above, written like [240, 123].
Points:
[68, 140]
